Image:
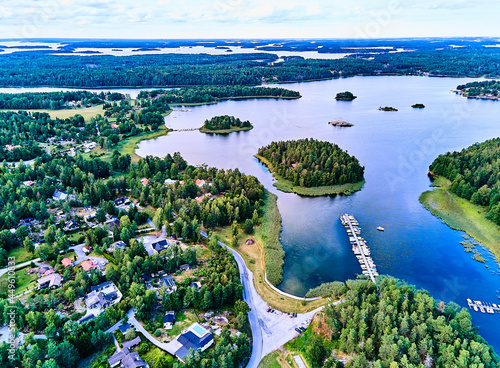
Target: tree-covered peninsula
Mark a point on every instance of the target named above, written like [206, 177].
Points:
[469, 197]
[391, 325]
[486, 90]
[311, 167]
[225, 124]
[213, 94]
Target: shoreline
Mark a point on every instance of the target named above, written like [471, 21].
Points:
[462, 215]
[287, 186]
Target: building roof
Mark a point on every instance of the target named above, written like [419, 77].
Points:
[88, 318]
[87, 265]
[123, 328]
[120, 244]
[54, 279]
[58, 195]
[127, 359]
[102, 285]
[144, 181]
[200, 183]
[189, 340]
[42, 270]
[184, 267]
[66, 262]
[169, 317]
[168, 281]
[133, 342]
[160, 245]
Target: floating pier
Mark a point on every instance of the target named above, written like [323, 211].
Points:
[478, 306]
[359, 247]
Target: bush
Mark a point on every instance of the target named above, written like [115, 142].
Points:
[157, 333]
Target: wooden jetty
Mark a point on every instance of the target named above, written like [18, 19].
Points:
[359, 247]
[478, 306]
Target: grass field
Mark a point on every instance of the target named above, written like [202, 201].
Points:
[461, 214]
[20, 254]
[87, 113]
[254, 255]
[154, 354]
[129, 145]
[23, 281]
[287, 186]
[277, 359]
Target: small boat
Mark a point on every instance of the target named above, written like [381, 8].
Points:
[380, 228]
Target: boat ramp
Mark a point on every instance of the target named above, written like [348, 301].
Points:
[359, 247]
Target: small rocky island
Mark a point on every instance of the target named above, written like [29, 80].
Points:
[387, 108]
[340, 123]
[418, 106]
[345, 96]
[225, 124]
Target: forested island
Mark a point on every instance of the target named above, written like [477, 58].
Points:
[311, 167]
[345, 96]
[196, 95]
[485, 90]
[469, 197]
[418, 106]
[392, 324]
[387, 108]
[225, 124]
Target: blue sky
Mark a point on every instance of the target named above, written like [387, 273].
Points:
[248, 19]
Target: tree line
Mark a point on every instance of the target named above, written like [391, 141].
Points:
[55, 100]
[312, 163]
[474, 173]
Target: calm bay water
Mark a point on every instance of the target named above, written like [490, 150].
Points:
[395, 147]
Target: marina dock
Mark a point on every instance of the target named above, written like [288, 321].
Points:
[478, 306]
[359, 247]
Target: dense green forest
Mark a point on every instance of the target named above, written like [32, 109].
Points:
[475, 174]
[42, 69]
[483, 88]
[225, 122]
[312, 163]
[395, 325]
[214, 94]
[55, 100]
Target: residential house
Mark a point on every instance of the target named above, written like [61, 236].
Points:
[28, 183]
[117, 245]
[159, 246]
[51, 281]
[169, 182]
[196, 285]
[250, 242]
[66, 262]
[144, 181]
[113, 223]
[200, 183]
[89, 265]
[42, 270]
[131, 343]
[169, 283]
[102, 296]
[71, 225]
[184, 267]
[86, 319]
[125, 359]
[124, 328]
[194, 337]
[168, 320]
[59, 196]
[122, 201]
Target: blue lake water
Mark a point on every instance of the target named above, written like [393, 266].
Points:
[395, 147]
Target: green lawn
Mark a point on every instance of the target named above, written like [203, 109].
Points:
[154, 354]
[182, 321]
[270, 360]
[23, 281]
[460, 214]
[20, 254]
